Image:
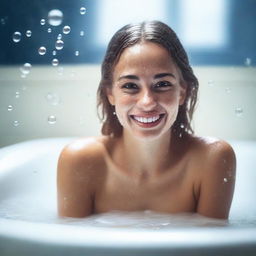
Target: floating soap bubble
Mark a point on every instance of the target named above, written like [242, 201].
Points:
[211, 83]
[10, 108]
[55, 17]
[52, 98]
[54, 52]
[28, 33]
[17, 95]
[81, 33]
[59, 36]
[16, 123]
[42, 50]
[227, 90]
[49, 30]
[248, 62]
[66, 30]
[16, 37]
[239, 111]
[59, 44]
[51, 119]
[42, 22]
[82, 10]
[26, 68]
[77, 53]
[55, 62]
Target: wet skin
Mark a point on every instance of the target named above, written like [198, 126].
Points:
[148, 167]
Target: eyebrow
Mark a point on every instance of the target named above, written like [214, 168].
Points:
[133, 77]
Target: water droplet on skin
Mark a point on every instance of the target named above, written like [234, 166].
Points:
[66, 30]
[55, 17]
[16, 37]
[28, 33]
[211, 83]
[248, 62]
[10, 108]
[51, 119]
[239, 111]
[81, 33]
[16, 123]
[49, 30]
[55, 62]
[59, 44]
[77, 53]
[26, 68]
[52, 98]
[42, 50]
[42, 22]
[82, 10]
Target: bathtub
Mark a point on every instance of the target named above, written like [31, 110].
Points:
[29, 224]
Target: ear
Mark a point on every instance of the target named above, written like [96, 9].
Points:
[110, 96]
[183, 92]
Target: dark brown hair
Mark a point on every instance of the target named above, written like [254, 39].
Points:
[129, 35]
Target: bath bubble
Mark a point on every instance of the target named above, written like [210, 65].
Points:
[16, 37]
[82, 10]
[54, 52]
[16, 123]
[52, 98]
[10, 108]
[59, 37]
[55, 62]
[211, 83]
[77, 53]
[66, 30]
[26, 68]
[227, 90]
[28, 33]
[239, 111]
[42, 50]
[17, 95]
[248, 62]
[51, 119]
[42, 22]
[49, 30]
[81, 33]
[59, 44]
[55, 17]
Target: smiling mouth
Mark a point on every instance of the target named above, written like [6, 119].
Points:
[154, 120]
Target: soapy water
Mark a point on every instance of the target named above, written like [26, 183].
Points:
[32, 209]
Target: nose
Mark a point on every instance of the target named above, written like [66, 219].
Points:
[147, 100]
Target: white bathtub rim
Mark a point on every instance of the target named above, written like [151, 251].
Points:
[128, 237]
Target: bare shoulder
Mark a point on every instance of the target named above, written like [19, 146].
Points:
[79, 167]
[216, 167]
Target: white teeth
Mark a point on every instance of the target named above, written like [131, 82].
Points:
[146, 120]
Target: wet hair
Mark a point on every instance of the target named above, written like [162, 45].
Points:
[129, 35]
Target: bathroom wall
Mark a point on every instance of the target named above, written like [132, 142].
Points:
[61, 101]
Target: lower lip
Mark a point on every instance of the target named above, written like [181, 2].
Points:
[148, 125]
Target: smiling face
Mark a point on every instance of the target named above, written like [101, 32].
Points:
[146, 90]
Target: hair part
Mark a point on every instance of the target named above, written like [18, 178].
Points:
[129, 35]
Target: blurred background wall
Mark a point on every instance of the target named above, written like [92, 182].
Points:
[50, 55]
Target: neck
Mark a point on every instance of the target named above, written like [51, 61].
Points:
[145, 155]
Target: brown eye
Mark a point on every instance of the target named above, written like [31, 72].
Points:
[131, 87]
[162, 86]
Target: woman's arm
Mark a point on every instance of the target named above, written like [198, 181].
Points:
[74, 182]
[218, 181]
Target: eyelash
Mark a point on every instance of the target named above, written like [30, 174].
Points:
[133, 88]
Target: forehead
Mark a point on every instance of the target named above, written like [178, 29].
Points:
[146, 56]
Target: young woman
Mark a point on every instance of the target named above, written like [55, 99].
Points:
[147, 157]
